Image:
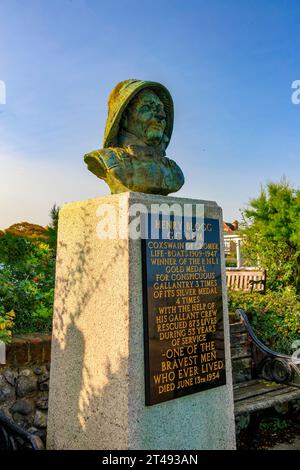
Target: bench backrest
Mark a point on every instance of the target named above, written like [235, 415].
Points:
[246, 280]
[241, 354]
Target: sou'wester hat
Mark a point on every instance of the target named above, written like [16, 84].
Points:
[120, 97]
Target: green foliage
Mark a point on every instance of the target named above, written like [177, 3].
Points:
[27, 270]
[230, 263]
[52, 228]
[273, 424]
[6, 325]
[275, 316]
[272, 234]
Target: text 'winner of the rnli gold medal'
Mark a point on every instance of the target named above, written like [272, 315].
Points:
[183, 311]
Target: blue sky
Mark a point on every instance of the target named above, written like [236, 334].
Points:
[229, 65]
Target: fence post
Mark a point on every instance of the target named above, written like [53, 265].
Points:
[2, 352]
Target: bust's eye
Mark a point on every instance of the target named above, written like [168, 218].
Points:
[145, 108]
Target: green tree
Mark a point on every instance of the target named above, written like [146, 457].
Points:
[27, 269]
[272, 234]
[27, 282]
[53, 227]
[28, 230]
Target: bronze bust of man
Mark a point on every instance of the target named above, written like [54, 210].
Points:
[138, 130]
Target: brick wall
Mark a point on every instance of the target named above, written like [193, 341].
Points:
[28, 349]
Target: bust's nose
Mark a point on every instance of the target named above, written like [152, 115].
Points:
[160, 113]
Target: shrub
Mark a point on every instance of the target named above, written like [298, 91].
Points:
[273, 424]
[275, 316]
[27, 282]
[6, 325]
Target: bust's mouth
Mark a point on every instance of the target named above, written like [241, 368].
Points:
[158, 126]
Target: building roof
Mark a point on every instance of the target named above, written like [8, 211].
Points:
[229, 227]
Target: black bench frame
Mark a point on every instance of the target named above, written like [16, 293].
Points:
[275, 379]
[271, 365]
[13, 437]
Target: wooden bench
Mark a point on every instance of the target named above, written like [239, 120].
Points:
[258, 395]
[262, 378]
[246, 279]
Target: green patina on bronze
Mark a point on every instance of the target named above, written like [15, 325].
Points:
[138, 130]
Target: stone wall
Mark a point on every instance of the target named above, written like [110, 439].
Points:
[24, 382]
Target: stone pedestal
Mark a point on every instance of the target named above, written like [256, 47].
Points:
[97, 391]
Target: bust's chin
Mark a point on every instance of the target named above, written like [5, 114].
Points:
[153, 139]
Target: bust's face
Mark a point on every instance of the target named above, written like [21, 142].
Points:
[145, 117]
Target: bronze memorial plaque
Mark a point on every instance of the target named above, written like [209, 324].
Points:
[183, 311]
